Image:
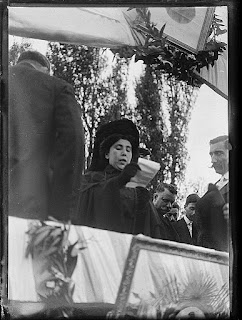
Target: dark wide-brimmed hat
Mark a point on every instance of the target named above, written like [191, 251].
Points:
[124, 127]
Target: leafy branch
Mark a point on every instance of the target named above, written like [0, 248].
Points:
[165, 57]
[51, 251]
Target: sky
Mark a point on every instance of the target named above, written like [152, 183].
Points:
[209, 119]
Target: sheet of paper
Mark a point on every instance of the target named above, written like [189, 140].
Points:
[148, 171]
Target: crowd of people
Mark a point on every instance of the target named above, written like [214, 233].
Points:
[46, 152]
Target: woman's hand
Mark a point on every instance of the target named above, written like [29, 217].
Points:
[127, 173]
[131, 169]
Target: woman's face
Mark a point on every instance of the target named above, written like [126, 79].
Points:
[120, 154]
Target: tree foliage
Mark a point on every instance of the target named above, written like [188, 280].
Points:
[163, 103]
[101, 94]
[180, 98]
[151, 120]
[118, 84]
[163, 112]
[198, 186]
[16, 49]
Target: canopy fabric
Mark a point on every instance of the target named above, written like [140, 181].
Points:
[99, 27]
[114, 27]
[110, 27]
[216, 77]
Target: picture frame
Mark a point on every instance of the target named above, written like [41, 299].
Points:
[178, 19]
[182, 267]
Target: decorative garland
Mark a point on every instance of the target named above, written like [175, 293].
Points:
[54, 260]
[164, 57]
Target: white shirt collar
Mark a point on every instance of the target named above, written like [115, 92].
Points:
[226, 176]
[223, 181]
[188, 222]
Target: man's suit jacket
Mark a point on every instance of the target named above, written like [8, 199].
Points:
[46, 145]
[159, 227]
[183, 232]
[214, 227]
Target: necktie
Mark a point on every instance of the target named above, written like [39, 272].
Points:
[222, 182]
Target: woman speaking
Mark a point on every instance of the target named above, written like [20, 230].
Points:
[106, 201]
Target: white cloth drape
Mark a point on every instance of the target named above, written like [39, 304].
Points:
[21, 285]
[98, 271]
[100, 265]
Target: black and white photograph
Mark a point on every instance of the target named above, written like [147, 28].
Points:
[118, 142]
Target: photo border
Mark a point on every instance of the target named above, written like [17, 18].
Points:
[233, 102]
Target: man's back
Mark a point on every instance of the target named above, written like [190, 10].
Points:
[45, 144]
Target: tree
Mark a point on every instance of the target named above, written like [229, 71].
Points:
[198, 186]
[151, 120]
[163, 113]
[180, 98]
[16, 49]
[118, 84]
[101, 95]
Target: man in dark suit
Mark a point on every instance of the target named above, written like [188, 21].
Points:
[173, 214]
[161, 226]
[186, 227]
[213, 207]
[219, 153]
[46, 142]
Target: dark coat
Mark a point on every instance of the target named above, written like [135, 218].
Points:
[183, 232]
[159, 227]
[214, 227]
[225, 192]
[46, 145]
[106, 205]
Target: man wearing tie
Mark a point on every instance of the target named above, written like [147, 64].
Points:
[213, 207]
[186, 227]
[219, 152]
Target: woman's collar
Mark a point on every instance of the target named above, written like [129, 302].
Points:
[110, 169]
